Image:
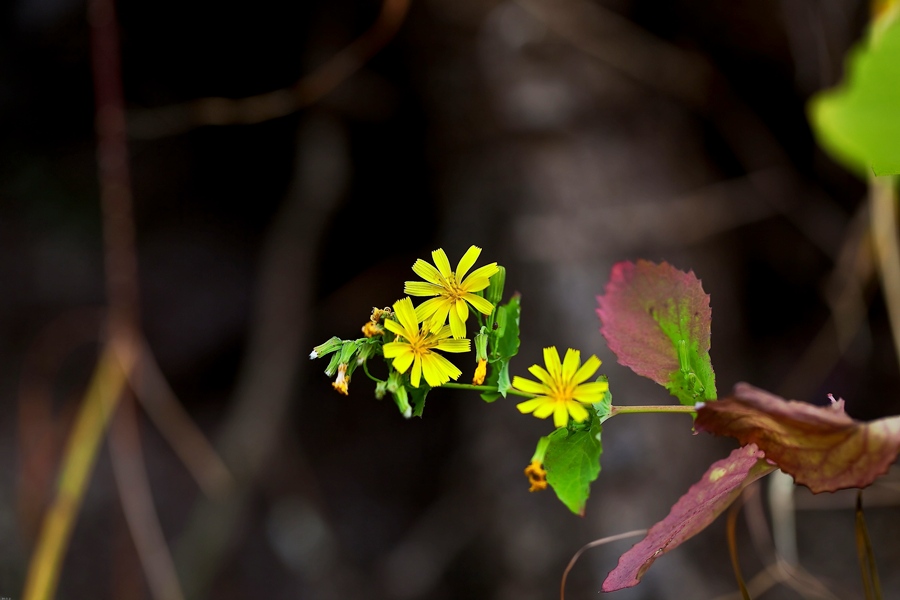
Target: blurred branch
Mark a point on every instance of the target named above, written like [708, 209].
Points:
[845, 293]
[883, 201]
[137, 504]
[40, 432]
[588, 546]
[179, 118]
[175, 424]
[276, 348]
[78, 462]
[617, 42]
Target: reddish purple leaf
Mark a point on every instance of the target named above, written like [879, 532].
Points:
[820, 446]
[656, 319]
[716, 490]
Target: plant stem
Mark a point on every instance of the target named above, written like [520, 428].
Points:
[665, 408]
[485, 388]
[883, 213]
[614, 410]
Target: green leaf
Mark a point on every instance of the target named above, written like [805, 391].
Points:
[503, 383]
[504, 344]
[417, 395]
[507, 340]
[572, 462]
[858, 122]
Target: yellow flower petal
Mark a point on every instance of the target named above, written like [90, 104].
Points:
[421, 288]
[402, 360]
[465, 263]
[541, 373]
[587, 370]
[406, 314]
[481, 273]
[454, 345]
[551, 359]
[570, 364]
[546, 409]
[560, 415]
[530, 405]
[578, 412]
[428, 272]
[480, 304]
[441, 262]
[416, 376]
[457, 325]
[528, 386]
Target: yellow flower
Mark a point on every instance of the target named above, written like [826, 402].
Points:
[342, 380]
[480, 372]
[418, 345]
[537, 476]
[452, 288]
[561, 390]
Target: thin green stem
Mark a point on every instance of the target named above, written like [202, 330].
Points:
[614, 410]
[485, 388]
[665, 408]
[369, 375]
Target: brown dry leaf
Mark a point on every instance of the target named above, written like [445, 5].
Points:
[821, 447]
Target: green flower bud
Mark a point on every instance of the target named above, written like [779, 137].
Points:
[326, 348]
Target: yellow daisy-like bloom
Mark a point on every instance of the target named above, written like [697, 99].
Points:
[562, 390]
[452, 288]
[417, 347]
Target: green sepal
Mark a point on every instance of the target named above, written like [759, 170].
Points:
[572, 461]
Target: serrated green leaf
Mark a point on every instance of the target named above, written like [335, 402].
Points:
[858, 121]
[507, 343]
[503, 383]
[572, 462]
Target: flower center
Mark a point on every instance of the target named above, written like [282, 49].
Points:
[452, 290]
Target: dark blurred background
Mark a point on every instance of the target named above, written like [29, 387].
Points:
[561, 137]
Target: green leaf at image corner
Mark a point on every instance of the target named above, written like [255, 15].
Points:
[572, 462]
[858, 122]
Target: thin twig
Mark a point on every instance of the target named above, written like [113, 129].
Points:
[78, 461]
[731, 530]
[883, 201]
[176, 426]
[137, 504]
[179, 118]
[588, 546]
